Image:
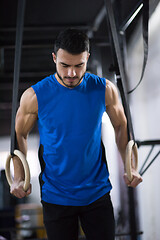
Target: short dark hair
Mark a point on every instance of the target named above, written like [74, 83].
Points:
[72, 40]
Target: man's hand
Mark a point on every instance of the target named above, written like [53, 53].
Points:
[18, 191]
[137, 179]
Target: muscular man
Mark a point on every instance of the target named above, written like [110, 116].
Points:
[68, 107]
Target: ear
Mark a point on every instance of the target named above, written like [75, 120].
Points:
[54, 57]
[88, 56]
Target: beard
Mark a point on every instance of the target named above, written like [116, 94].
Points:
[68, 85]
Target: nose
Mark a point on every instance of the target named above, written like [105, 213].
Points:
[71, 72]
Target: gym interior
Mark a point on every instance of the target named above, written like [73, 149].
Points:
[125, 48]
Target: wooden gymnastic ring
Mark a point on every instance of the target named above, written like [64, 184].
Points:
[131, 146]
[21, 156]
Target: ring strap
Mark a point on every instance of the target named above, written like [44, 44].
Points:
[17, 61]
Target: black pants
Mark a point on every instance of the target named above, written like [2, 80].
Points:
[97, 220]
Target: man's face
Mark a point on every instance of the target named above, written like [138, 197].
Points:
[70, 68]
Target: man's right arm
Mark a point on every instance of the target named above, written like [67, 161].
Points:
[26, 117]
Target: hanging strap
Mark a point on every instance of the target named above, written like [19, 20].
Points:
[122, 79]
[17, 61]
[145, 19]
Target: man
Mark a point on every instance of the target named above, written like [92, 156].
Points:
[69, 106]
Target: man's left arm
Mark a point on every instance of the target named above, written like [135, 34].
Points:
[118, 119]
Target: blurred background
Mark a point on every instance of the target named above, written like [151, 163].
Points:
[22, 219]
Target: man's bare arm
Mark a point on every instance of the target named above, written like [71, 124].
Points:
[26, 117]
[118, 119]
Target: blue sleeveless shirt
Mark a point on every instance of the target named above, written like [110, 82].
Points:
[69, 123]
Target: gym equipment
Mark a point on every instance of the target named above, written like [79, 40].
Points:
[21, 156]
[18, 47]
[131, 147]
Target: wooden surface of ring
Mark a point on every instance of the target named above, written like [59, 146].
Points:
[131, 147]
[21, 156]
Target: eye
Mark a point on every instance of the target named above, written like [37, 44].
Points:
[64, 65]
[80, 65]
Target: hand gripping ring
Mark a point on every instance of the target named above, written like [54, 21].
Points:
[131, 146]
[21, 156]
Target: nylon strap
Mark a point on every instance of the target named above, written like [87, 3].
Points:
[122, 79]
[145, 19]
[17, 61]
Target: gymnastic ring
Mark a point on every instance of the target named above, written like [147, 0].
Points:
[131, 146]
[21, 156]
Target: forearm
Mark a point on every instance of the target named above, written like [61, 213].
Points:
[18, 167]
[22, 142]
[121, 140]
[19, 187]
[118, 119]
[26, 117]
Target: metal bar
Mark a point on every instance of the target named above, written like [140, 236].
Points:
[150, 163]
[125, 25]
[127, 234]
[146, 159]
[27, 74]
[44, 44]
[97, 21]
[148, 142]
[45, 28]
[132, 214]
[99, 18]
[17, 61]
[28, 45]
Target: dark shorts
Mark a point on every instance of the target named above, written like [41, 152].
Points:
[97, 220]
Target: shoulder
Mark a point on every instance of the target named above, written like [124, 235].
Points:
[44, 83]
[29, 102]
[93, 76]
[111, 93]
[95, 80]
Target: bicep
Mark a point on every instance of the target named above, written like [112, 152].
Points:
[24, 122]
[116, 115]
[114, 107]
[26, 114]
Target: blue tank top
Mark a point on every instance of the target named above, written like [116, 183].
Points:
[69, 123]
